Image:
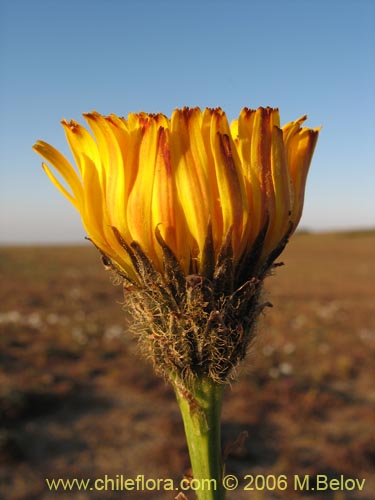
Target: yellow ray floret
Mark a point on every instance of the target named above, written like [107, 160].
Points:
[183, 175]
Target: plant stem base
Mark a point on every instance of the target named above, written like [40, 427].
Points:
[201, 411]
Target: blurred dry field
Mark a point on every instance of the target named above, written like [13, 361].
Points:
[76, 401]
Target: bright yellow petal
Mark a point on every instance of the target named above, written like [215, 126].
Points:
[243, 141]
[139, 209]
[191, 175]
[260, 164]
[82, 145]
[62, 165]
[234, 129]
[59, 186]
[207, 157]
[167, 214]
[129, 141]
[95, 212]
[300, 149]
[113, 185]
[279, 223]
[291, 128]
[230, 183]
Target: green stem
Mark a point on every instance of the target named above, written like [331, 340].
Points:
[201, 410]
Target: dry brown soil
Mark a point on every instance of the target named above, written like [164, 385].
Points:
[76, 400]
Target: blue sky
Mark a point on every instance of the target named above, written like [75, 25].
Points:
[59, 59]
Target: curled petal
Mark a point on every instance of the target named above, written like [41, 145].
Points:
[64, 168]
[300, 148]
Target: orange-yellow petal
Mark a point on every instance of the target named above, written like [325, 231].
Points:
[166, 211]
[64, 168]
[231, 188]
[139, 207]
[191, 175]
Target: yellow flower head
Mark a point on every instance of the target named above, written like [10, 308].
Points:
[187, 180]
